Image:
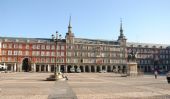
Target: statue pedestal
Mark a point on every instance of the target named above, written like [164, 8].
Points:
[56, 77]
[133, 69]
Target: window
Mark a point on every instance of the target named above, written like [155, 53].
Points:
[37, 53]
[52, 47]
[33, 53]
[52, 60]
[62, 53]
[48, 60]
[10, 46]
[3, 59]
[20, 46]
[62, 47]
[33, 46]
[19, 52]
[38, 46]
[68, 53]
[9, 52]
[27, 46]
[58, 54]
[52, 53]
[42, 53]
[48, 47]
[42, 60]
[27, 53]
[15, 52]
[4, 52]
[68, 60]
[9, 59]
[4, 45]
[47, 53]
[15, 45]
[37, 59]
[42, 46]
[15, 59]
[62, 60]
[58, 47]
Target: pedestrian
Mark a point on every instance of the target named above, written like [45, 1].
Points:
[156, 74]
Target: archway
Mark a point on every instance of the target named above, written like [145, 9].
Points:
[86, 69]
[82, 70]
[124, 70]
[68, 68]
[26, 65]
[52, 68]
[92, 69]
[62, 68]
[98, 68]
[119, 69]
[109, 69]
[103, 68]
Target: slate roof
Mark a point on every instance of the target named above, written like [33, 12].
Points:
[95, 41]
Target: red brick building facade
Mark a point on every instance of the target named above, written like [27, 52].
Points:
[35, 54]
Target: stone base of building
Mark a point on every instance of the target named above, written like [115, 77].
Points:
[133, 69]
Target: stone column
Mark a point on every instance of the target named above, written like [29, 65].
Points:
[84, 69]
[15, 67]
[39, 68]
[100, 68]
[111, 68]
[49, 69]
[66, 69]
[20, 67]
[89, 68]
[95, 69]
[45, 68]
[106, 67]
[34, 66]
[5, 66]
[116, 67]
[59, 68]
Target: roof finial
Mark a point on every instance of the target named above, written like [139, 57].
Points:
[69, 26]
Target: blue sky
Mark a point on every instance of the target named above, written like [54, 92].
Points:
[144, 21]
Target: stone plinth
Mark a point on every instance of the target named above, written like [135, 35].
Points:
[133, 69]
[57, 76]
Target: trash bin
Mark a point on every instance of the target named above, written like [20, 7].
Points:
[168, 77]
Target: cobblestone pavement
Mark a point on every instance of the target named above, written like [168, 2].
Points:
[24, 86]
[85, 86]
[111, 86]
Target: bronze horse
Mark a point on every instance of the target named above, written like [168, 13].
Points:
[132, 56]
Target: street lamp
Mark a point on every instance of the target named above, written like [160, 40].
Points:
[57, 74]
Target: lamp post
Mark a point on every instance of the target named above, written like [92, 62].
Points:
[57, 74]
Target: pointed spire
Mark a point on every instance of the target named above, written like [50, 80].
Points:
[121, 29]
[69, 26]
[121, 36]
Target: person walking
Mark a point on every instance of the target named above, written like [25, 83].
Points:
[156, 74]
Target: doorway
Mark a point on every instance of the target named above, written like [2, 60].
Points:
[26, 65]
